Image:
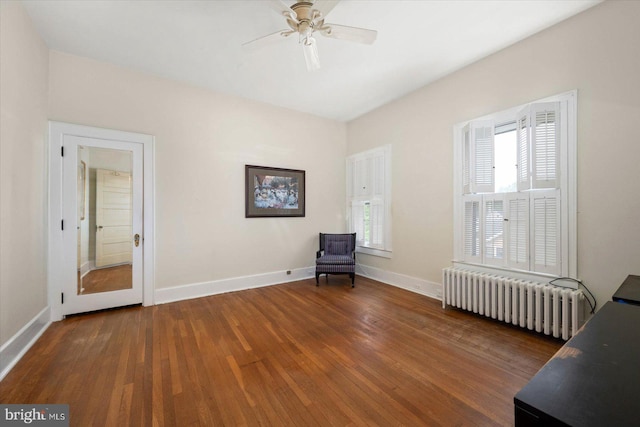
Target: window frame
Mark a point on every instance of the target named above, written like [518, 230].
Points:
[377, 193]
[567, 185]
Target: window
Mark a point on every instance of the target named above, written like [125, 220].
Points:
[369, 200]
[515, 189]
[506, 158]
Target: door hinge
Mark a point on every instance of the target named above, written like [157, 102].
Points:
[62, 224]
[62, 151]
[61, 297]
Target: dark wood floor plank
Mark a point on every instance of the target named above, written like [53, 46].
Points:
[291, 354]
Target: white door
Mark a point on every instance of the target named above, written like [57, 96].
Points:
[117, 224]
[113, 218]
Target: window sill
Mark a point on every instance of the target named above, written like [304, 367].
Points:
[375, 252]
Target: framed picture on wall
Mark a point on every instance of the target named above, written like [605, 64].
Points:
[274, 192]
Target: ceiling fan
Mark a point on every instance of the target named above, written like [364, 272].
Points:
[306, 18]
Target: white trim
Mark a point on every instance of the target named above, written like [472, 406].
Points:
[149, 222]
[570, 260]
[215, 287]
[87, 267]
[57, 132]
[373, 251]
[409, 283]
[458, 207]
[17, 346]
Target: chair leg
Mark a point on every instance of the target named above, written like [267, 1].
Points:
[353, 279]
[317, 282]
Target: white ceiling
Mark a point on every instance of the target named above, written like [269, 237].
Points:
[200, 42]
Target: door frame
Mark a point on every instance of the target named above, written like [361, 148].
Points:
[55, 264]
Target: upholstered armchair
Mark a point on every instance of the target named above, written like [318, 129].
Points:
[337, 255]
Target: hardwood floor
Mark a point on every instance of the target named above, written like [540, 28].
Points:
[292, 354]
[107, 279]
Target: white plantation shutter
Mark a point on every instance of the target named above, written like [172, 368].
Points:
[478, 171]
[368, 198]
[482, 138]
[517, 213]
[376, 211]
[545, 231]
[361, 176]
[377, 177]
[494, 229]
[357, 221]
[531, 229]
[472, 237]
[538, 136]
[545, 144]
[522, 139]
[376, 224]
[466, 160]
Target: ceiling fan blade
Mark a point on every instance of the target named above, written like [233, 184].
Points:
[311, 54]
[283, 10]
[266, 40]
[324, 7]
[353, 34]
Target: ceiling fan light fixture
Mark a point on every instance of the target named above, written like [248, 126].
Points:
[307, 17]
[311, 53]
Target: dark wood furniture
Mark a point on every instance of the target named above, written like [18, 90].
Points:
[629, 291]
[593, 380]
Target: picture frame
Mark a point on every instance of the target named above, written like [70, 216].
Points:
[274, 192]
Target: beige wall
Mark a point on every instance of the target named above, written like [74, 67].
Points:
[595, 52]
[23, 116]
[203, 141]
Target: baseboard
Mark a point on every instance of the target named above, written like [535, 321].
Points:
[409, 283]
[87, 267]
[16, 347]
[203, 289]
[197, 290]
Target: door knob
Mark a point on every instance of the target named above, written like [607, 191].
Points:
[136, 239]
